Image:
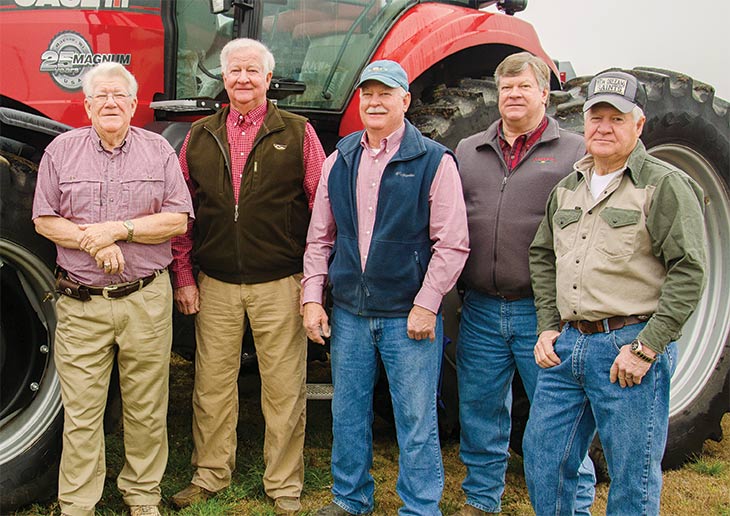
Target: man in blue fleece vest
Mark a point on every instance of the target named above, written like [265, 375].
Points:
[389, 229]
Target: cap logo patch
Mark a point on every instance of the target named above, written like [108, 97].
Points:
[279, 146]
[611, 85]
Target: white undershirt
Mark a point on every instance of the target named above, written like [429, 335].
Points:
[599, 183]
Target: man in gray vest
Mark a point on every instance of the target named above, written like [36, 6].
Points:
[389, 230]
[507, 172]
[253, 171]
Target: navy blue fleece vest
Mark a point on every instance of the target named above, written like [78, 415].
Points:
[400, 249]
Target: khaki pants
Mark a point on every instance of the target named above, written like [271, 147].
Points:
[88, 333]
[281, 346]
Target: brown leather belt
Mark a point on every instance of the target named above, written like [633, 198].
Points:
[606, 325]
[81, 292]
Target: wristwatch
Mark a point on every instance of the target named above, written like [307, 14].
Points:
[637, 348]
[130, 229]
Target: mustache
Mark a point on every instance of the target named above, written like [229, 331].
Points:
[376, 111]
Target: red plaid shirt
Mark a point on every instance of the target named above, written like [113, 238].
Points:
[241, 130]
[514, 154]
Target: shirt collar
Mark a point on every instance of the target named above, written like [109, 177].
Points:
[99, 146]
[539, 129]
[391, 141]
[253, 117]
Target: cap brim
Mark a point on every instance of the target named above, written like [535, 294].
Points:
[617, 101]
[389, 82]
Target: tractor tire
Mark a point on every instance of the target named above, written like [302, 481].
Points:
[689, 127]
[31, 416]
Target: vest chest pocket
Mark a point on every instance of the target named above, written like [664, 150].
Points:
[617, 232]
[565, 229]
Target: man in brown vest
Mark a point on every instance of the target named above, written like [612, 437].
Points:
[252, 170]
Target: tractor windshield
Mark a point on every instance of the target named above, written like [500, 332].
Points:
[321, 44]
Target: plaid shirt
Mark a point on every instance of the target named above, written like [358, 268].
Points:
[516, 152]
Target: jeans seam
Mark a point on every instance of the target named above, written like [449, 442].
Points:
[649, 442]
[568, 448]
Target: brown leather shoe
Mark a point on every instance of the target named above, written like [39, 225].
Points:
[143, 510]
[190, 495]
[287, 506]
[470, 510]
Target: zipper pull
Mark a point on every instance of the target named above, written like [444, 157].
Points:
[504, 183]
[235, 214]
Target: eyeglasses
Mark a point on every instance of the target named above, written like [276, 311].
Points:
[117, 97]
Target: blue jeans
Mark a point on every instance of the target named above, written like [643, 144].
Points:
[412, 367]
[495, 337]
[575, 398]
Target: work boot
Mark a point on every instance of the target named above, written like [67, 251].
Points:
[470, 510]
[190, 495]
[332, 510]
[143, 510]
[287, 506]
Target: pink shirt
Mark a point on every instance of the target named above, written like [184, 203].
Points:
[241, 131]
[448, 226]
[80, 181]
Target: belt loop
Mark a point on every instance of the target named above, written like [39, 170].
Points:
[606, 326]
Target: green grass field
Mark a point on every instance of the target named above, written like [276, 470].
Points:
[701, 487]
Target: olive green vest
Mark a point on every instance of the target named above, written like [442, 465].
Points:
[262, 238]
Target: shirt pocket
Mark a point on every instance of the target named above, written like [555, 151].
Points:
[617, 232]
[142, 194]
[81, 196]
[565, 229]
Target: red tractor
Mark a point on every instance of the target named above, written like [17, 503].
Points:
[449, 49]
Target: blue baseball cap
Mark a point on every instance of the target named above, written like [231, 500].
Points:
[385, 71]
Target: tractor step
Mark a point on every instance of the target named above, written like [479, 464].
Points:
[320, 391]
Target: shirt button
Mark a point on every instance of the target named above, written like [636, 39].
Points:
[583, 237]
[372, 184]
[577, 261]
[575, 287]
[590, 212]
[242, 154]
[575, 313]
[367, 232]
[376, 160]
[243, 133]
[370, 208]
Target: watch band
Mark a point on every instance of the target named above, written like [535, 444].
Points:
[636, 350]
[130, 229]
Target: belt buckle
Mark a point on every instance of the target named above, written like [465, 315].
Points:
[110, 288]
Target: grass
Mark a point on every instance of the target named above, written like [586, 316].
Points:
[701, 487]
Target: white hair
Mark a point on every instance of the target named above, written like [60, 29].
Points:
[236, 45]
[638, 113]
[106, 71]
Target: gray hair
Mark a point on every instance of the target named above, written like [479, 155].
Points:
[107, 71]
[517, 63]
[236, 45]
[638, 113]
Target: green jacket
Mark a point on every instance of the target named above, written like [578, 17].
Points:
[637, 250]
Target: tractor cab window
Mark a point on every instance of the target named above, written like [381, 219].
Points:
[324, 44]
[201, 36]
